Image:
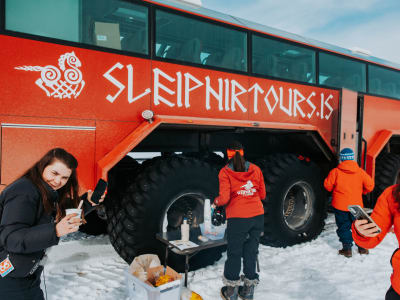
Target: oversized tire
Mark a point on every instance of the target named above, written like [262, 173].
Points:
[296, 204]
[119, 178]
[386, 172]
[165, 192]
[208, 156]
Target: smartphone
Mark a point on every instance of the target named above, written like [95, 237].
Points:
[99, 190]
[359, 213]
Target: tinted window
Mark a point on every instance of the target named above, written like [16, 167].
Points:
[340, 72]
[284, 60]
[190, 40]
[383, 81]
[57, 19]
[107, 23]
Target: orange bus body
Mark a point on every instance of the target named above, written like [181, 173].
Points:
[381, 122]
[95, 111]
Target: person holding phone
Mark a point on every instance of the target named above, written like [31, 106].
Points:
[347, 182]
[385, 214]
[32, 211]
[241, 190]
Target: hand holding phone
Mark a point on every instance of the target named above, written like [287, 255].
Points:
[360, 214]
[98, 191]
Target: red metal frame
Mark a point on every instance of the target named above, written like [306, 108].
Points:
[380, 123]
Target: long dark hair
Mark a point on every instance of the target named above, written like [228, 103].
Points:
[68, 194]
[237, 160]
[396, 191]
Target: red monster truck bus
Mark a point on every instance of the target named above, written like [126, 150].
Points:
[106, 79]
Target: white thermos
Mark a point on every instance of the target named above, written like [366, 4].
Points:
[185, 230]
[207, 215]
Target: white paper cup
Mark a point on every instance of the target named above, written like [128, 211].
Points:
[78, 211]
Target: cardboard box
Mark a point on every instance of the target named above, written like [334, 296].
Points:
[139, 290]
[107, 35]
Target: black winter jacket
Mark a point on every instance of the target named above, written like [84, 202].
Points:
[24, 226]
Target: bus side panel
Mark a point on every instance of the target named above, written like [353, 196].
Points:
[379, 114]
[188, 91]
[286, 104]
[348, 121]
[111, 133]
[50, 80]
[25, 140]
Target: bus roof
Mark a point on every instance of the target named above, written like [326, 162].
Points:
[225, 18]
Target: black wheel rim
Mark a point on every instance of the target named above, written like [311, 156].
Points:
[186, 205]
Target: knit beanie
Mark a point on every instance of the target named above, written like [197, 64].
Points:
[346, 154]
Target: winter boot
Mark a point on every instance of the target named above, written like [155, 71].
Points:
[230, 290]
[363, 251]
[346, 252]
[246, 292]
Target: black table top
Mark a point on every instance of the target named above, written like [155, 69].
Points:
[166, 237]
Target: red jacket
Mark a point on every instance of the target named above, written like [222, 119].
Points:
[385, 215]
[241, 192]
[348, 182]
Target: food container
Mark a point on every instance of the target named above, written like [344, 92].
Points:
[139, 290]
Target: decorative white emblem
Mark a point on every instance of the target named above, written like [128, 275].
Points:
[55, 84]
[248, 185]
[248, 189]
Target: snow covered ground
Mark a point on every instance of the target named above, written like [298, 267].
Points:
[85, 267]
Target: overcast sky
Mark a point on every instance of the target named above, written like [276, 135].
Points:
[373, 25]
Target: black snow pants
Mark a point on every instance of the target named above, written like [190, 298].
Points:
[392, 295]
[243, 235]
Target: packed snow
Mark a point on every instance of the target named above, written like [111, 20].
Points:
[86, 267]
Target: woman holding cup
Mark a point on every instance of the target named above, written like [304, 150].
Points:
[33, 219]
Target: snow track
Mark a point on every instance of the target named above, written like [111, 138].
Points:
[87, 268]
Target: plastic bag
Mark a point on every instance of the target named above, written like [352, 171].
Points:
[215, 233]
[143, 262]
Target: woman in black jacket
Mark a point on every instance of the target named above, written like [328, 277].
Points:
[33, 219]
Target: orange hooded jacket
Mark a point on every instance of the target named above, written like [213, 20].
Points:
[241, 192]
[348, 182]
[385, 215]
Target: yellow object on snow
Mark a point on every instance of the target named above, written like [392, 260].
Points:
[189, 295]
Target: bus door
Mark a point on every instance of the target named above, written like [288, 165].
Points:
[348, 131]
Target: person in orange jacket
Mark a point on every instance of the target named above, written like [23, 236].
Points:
[347, 182]
[241, 190]
[385, 214]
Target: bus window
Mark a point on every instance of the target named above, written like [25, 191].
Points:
[116, 24]
[110, 23]
[186, 39]
[383, 81]
[340, 72]
[56, 19]
[284, 60]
